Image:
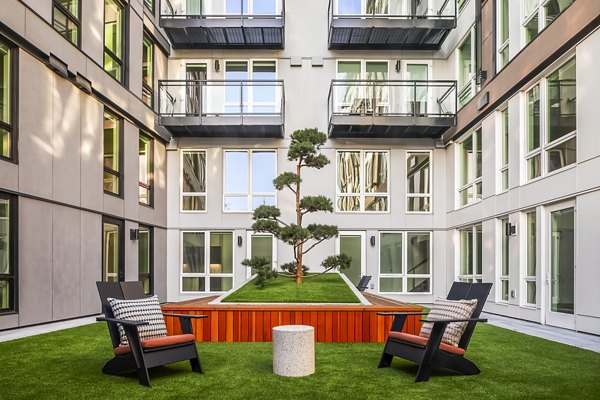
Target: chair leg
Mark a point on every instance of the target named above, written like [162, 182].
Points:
[465, 367]
[144, 377]
[196, 365]
[424, 372]
[386, 360]
[119, 365]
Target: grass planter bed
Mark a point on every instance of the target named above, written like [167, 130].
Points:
[326, 288]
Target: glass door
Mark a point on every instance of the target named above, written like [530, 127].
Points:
[560, 274]
[353, 245]
[194, 75]
[417, 95]
[261, 245]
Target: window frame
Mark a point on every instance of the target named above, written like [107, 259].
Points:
[362, 194]
[147, 38]
[121, 242]
[540, 12]
[501, 259]
[71, 17]
[150, 172]
[250, 103]
[150, 7]
[249, 235]
[150, 273]
[13, 127]
[122, 61]
[525, 278]
[421, 195]
[119, 174]
[469, 88]
[207, 274]
[477, 180]
[404, 275]
[502, 46]
[13, 255]
[502, 144]
[474, 276]
[249, 194]
[183, 194]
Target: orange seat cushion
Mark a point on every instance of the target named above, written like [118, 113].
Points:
[422, 342]
[157, 342]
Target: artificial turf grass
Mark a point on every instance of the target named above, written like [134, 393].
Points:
[67, 364]
[325, 288]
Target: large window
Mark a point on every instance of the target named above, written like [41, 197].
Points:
[145, 259]
[504, 146]
[65, 19]
[530, 276]
[206, 261]
[8, 259]
[503, 270]
[418, 181]
[114, 39]
[405, 262]
[112, 154]
[502, 35]
[465, 55]
[537, 14]
[551, 122]
[146, 172]
[148, 71]
[249, 178]
[193, 180]
[361, 98]
[362, 181]
[7, 139]
[112, 250]
[470, 169]
[470, 257]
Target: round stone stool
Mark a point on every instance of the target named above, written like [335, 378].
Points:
[293, 350]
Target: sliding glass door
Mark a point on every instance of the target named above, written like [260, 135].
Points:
[353, 245]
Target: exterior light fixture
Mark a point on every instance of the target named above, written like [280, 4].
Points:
[511, 229]
[398, 66]
[217, 66]
[372, 240]
[134, 234]
[240, 241]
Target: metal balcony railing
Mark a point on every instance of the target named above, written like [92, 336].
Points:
[393, 9]
[203, 9]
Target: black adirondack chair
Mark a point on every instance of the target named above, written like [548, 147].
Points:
[431, 352]
[141, 355]
[364, 283]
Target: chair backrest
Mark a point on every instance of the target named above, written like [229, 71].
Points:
[364, 283]
[459, 291]
[113, 290]
[133, 290]
[479, 291]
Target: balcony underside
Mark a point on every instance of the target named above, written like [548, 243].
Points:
[388, 34]
[359, 126]
[224, 33]
[224, 126]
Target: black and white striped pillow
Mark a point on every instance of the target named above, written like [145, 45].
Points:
[450, 309]
[147, 310]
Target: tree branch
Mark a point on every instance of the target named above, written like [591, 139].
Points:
[313, 245]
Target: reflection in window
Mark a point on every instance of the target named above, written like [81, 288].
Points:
[531, 261]
[112, 153]
[145, 259]
[193, 180]
[114, 26]
[8, 274]
[418, 179]
[148, 71]
[502, 31]
[465, 54]
[504, 138]
[471, 260]
[66, 19]
[145, 169]
[207, 267]
[112, 269]
[415, 248]
[362, 181]
[6, 127]
[470, 169]
[504, 261]
[249, 179]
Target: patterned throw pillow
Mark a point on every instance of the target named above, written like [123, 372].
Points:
[147, 309]
[450, 309]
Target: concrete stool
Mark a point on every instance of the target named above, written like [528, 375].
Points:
[294, 350]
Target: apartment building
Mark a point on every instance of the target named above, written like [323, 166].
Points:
[461, 141]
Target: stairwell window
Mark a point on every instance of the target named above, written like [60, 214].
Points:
[470, 257]
[502, 29]
[470, 181]
[362, 181]
[193, 180]
[65, 19]
[405, 262]
[418, 182]
[114, 39]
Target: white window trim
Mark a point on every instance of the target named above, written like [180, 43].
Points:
[500, 47]
[404, 275]
[424, 195]
[183, 194]
[501, 233]
[362, 194]
[207, 274]
[477, 180]
[249, 235]
[501, 167]
[250, 89]
[470, 86]
[249, 194]
[524, 278]
[540, 11]
[474, 276]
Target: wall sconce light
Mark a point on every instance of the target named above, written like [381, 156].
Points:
[240, 241]
[217, 66]
[134, 234]
[398, 66]
[372, 240]
[511, 229]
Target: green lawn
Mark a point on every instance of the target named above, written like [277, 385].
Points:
[66, 365]
[326, 288]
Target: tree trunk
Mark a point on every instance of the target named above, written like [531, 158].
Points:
[299, 222]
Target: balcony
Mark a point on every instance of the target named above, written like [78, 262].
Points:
[390, 24]
[231, 24]
[391, 109]
[216, 108]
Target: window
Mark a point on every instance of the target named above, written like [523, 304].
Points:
[250, 7]
[418, 181]
[466, 69]
[360, 98]
[471, 260]
[148, 71]
[145, 259]
[249, 178]
[114, 43]
[251, 97]
[552, 145]
[461, 4]
[531, 260]
[112, 250]
[405, 262]
[207, 261]
[504, 144]
[470, 169]
[503, 272]
[536, 18]
[262, 245]
[149, 5]
[65, 19]
[362, 181]
[502, 34]
[146, 152]
[193, 180]
[8, 253]
[7, 135]
[112, 154]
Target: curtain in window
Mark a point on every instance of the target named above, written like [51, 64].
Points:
[193, 74]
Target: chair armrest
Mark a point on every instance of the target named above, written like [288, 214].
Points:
[191, 316]
[387, 314]
[122, 321]
[446, 321]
